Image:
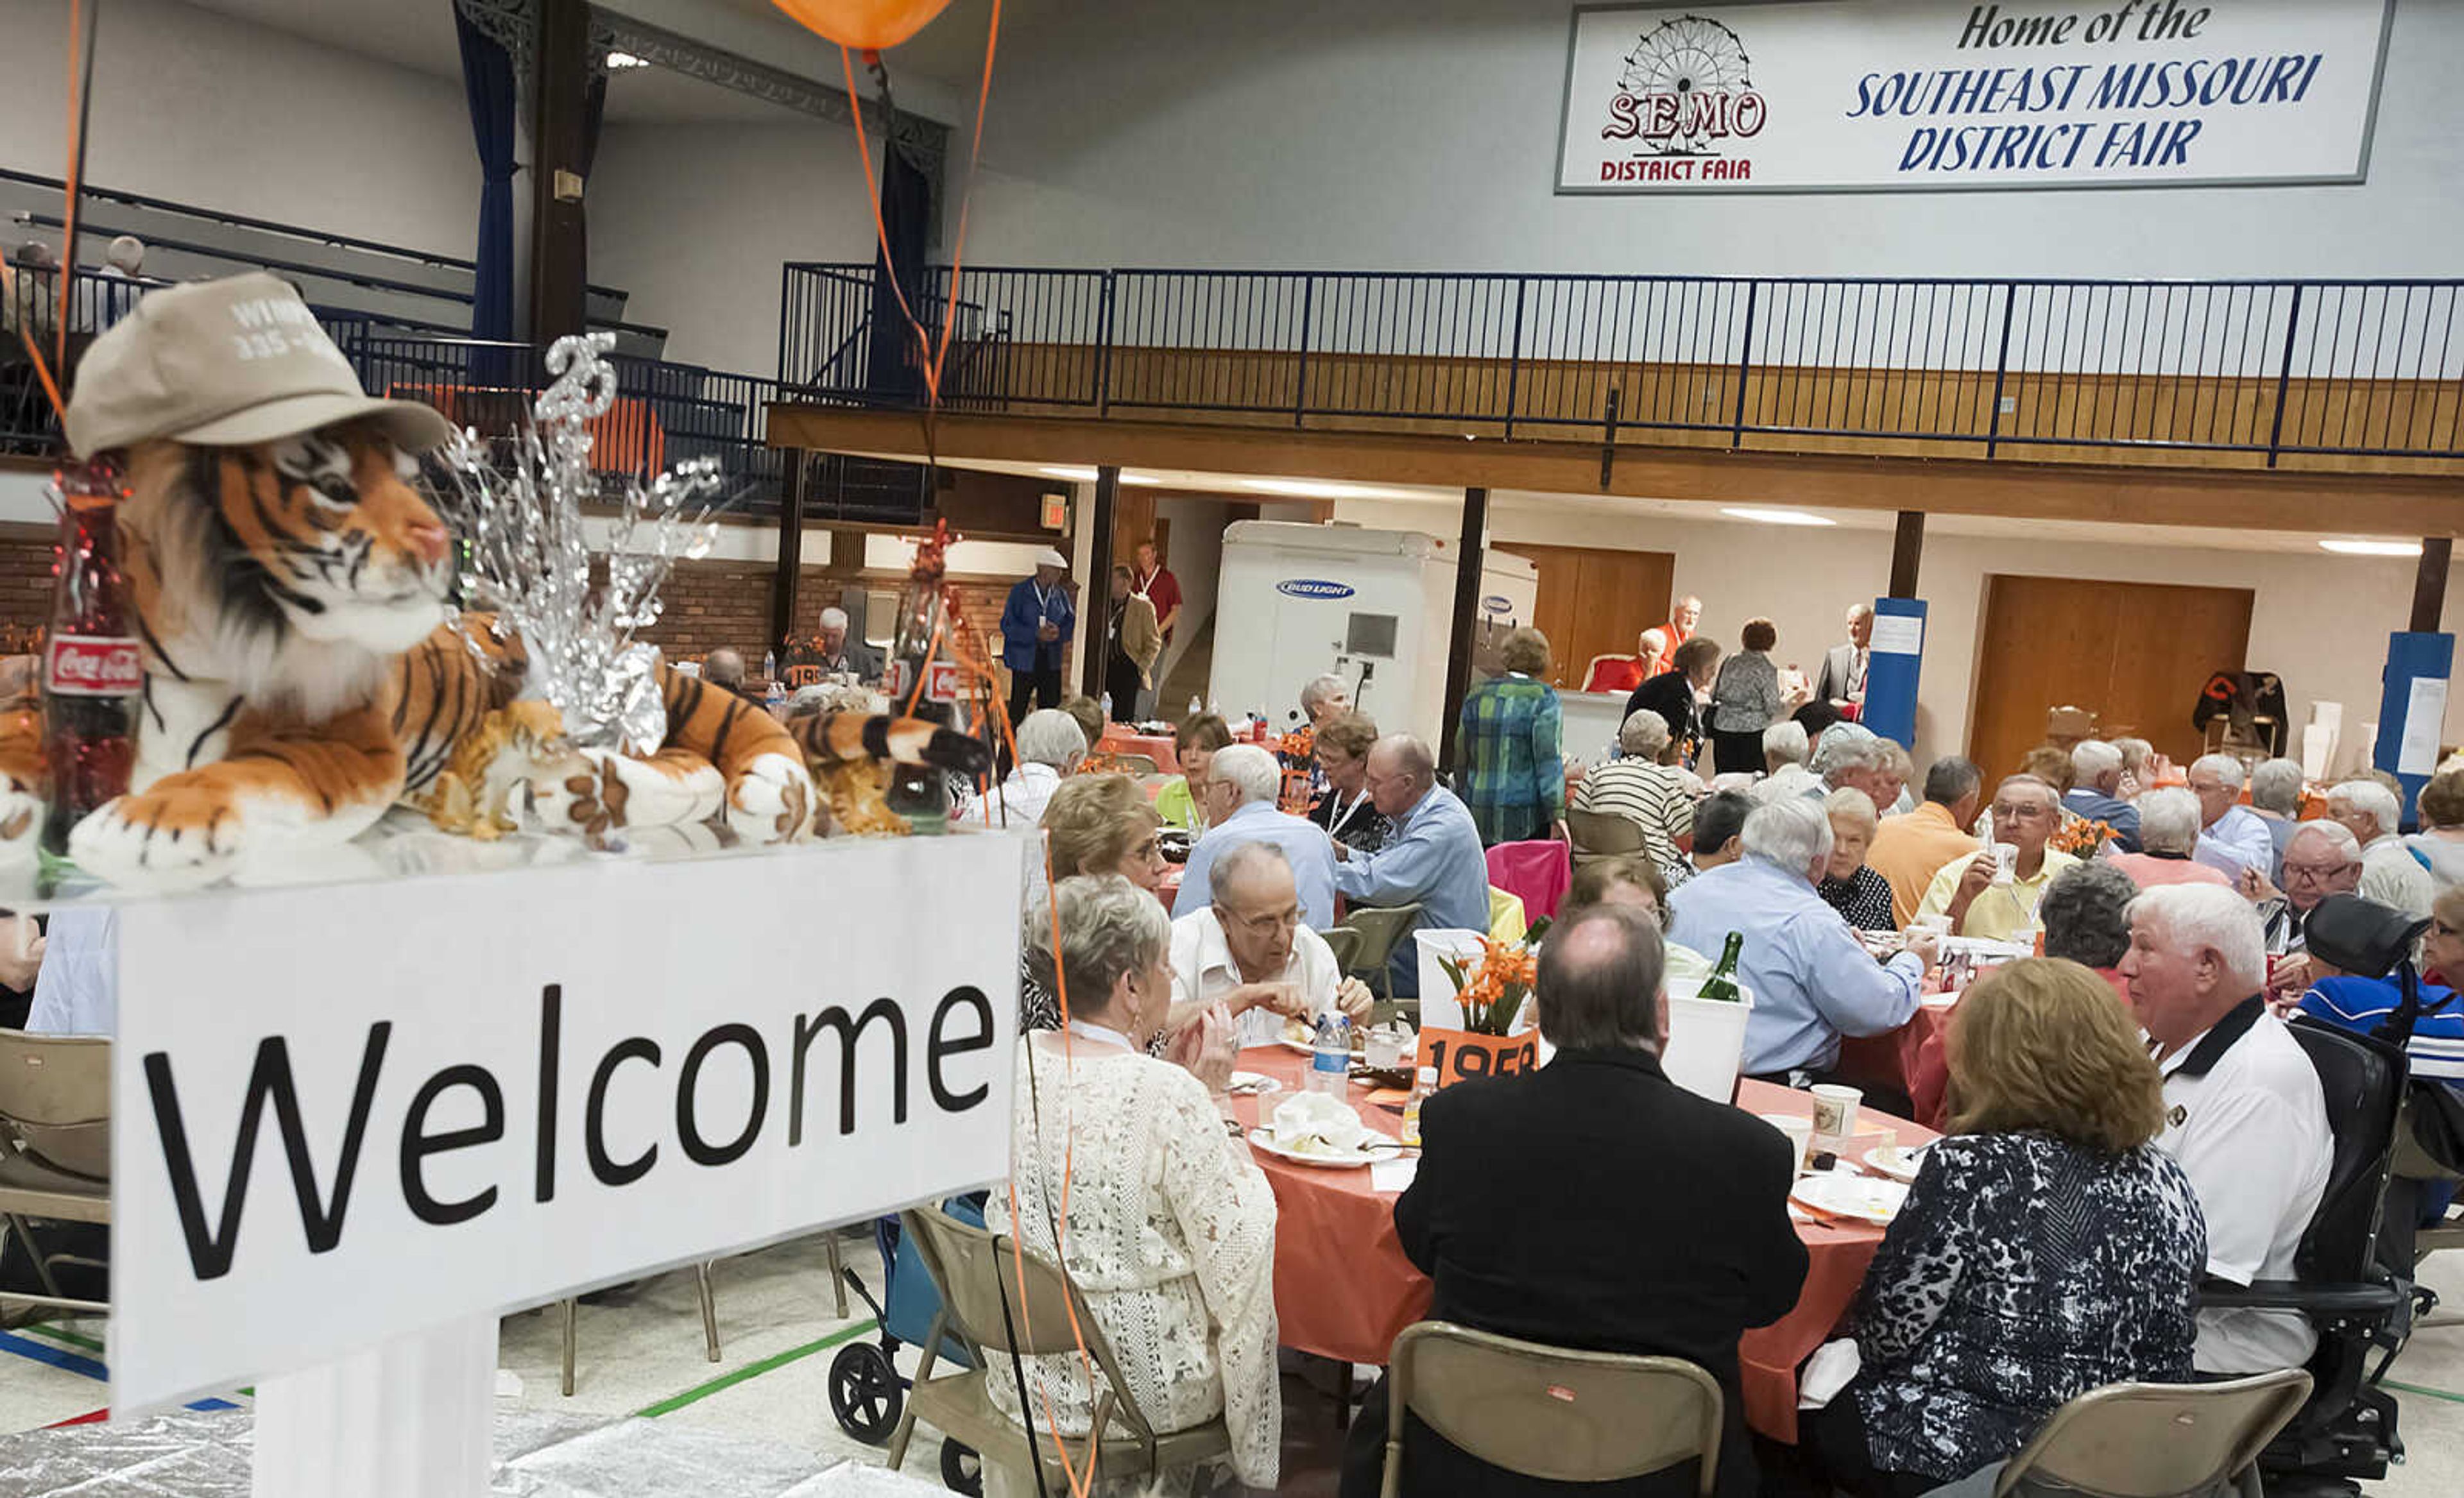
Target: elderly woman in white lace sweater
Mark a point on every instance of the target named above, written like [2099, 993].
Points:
[1171, 1232]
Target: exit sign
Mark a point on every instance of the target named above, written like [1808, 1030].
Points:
[1056, 511]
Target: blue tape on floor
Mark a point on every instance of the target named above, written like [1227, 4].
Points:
[57, 1356]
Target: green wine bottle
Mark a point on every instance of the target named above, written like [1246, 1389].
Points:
[1722, 984]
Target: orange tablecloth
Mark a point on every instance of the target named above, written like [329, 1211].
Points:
[1121, 738]
[1343, 1289]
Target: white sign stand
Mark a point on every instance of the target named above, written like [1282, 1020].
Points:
[412, 1418]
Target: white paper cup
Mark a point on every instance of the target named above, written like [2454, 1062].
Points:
[2006, 863]
[1799, 1130]
[1835, 1110]
[1939, 925]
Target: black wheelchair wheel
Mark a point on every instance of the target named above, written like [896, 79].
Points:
[865, 1393]
[962, 1470]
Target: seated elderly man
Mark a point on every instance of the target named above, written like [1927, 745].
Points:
[1656, 798]
[2247, 1119]
[1975, 894]
[2323, 858]
[1050, 746]
[835, 655]
[1908, 850]
[1432, 856]
[1542, 1209]
[2231, 836]
[1239, 799]
[2391, 872]
[1248, 952]
[2096, 791]
[2275, 795]
[2169, 822]
[1851, 756]
[1812, 981]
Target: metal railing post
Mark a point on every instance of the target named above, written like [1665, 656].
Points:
[1104, 347]
[2001, 367]
[1309, 310]
[2285, 377]
[1514, 356]
[787, 313]
[1744, 364]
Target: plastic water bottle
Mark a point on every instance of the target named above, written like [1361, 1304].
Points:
[1195, 707]
[1330, 1058]
[775, 698]
[769, 665]
[1107, 709]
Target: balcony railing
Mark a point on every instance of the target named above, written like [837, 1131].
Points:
[2248, 371]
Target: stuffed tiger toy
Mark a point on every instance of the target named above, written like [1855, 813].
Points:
[289, 600]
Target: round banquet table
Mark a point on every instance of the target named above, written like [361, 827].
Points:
[1890, 1059]
[1343, 1289]
[1121, 738]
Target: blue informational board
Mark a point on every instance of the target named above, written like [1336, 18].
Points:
[1891, 670]
[2417, 669]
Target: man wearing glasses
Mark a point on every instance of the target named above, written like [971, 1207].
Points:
[1250, 952]
[2323, 858]
[1432, 858]
[1985, 899]
[1238, 797]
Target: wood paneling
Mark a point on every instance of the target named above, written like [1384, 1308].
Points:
[1592, 600]
[2406, 504]
[2134, 653]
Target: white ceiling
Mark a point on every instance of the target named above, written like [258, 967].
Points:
[1237, 487]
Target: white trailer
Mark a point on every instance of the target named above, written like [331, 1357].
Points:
[1298, 601]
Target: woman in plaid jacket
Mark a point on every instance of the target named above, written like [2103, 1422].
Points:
[1509, 771]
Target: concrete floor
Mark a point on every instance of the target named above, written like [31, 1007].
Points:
[641, 1352]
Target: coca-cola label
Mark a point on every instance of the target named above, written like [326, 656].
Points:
[93, 665]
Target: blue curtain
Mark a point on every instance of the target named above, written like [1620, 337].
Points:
[893, 368]
[488, 79]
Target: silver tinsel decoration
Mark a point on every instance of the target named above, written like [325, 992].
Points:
[526, 557]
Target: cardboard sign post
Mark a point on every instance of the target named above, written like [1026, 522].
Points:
[415, 1104]
[1462, 1055]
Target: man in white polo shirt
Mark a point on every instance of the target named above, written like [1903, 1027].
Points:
[2244, 1113]
[1249, 951]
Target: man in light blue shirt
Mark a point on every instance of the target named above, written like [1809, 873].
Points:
[1432, 856]
[1811, 979]
[1239, 798]
[2231, 837]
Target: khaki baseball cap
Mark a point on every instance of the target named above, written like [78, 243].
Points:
[227, 364]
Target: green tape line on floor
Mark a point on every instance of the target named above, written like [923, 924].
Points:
[755, 1369]
[51, 1333]
[2434, 1394]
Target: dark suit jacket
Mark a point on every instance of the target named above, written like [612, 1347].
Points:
[1671, 695]
[1597, 1204]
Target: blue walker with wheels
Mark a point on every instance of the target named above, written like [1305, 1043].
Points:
[867, 1390]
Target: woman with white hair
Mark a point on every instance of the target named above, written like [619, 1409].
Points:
[1050, 744]
[1862, 896]
[1170, 1230]
[1657, 798]
[2169, 835]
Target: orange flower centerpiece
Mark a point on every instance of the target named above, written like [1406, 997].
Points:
[2079, 837]
[1494, 986]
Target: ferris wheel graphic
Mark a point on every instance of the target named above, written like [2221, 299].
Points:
[1689, 54]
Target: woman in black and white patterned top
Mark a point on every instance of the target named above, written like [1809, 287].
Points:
[2047, 1247]
[1856, 892]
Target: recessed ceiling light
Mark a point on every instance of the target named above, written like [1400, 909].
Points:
[1767, 516]
[619, 61]
[1323, 489]
[2371, 548]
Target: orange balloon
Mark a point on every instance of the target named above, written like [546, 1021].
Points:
[865, 25]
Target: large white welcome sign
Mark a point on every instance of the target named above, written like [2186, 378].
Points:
[1946, 94]
[349, 1113]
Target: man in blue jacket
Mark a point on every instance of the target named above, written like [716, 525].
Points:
[1036, 626]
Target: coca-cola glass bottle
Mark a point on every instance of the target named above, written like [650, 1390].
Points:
[93, 672]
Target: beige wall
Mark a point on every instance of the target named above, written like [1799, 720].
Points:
[2319, 621]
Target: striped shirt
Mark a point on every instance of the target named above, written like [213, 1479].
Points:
[1652, 796]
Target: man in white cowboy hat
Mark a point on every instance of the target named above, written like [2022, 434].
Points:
[1036, 626]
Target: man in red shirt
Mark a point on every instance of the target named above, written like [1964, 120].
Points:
[1683, 619]
[1153, 582]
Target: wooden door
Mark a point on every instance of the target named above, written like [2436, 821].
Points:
[2134, 653]
[1592, 600]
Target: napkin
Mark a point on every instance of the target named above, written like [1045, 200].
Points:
[1826, 1372]
[1330, 1118]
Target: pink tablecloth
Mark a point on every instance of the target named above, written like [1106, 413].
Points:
[1343, 1289]
[1536, 871]
[1890, 1059]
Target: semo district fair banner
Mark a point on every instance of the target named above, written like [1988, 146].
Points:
[1934, 95]
[348, 1113]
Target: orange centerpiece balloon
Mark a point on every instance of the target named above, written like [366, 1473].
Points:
[864, 25]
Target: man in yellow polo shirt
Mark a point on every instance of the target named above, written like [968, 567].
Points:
[2026, 812]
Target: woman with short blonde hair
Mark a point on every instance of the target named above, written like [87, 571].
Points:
[1092, 824]
[2047, 1247]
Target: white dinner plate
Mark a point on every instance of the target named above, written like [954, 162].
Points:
[1896, 1161]
[1256, 1082]
[1846, 1193]
[1335, 1160]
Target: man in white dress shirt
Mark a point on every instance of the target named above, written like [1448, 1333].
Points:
[2231, 837]
[1249, 951]
[2245, 1115]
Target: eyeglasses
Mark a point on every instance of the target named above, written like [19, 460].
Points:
[1267, 924]
[2314, 872]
